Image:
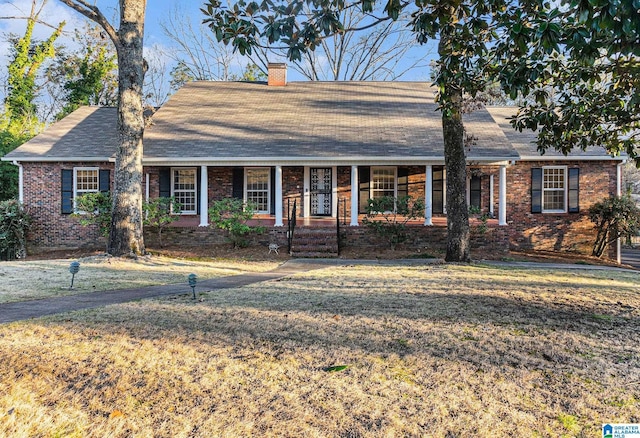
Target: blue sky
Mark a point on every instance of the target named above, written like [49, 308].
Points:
[155, 40]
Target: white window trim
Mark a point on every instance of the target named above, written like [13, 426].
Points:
[76, 192]
[246, 176]
[565, 189]
[195, 190]
[395, 179]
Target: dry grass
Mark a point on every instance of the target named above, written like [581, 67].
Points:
[25, 280]
[442, 351]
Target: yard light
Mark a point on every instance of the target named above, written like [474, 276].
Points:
[74, 268]
[193, 279]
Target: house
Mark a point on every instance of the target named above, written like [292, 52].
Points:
[330, 146]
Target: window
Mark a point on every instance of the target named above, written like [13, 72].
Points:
[184, 188]
[85, 180]
[383, 182]
[437, 192]
[257, 188]
[554, 189]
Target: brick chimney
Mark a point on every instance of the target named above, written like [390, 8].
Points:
[277, 74]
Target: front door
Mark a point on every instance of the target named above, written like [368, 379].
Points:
[321, 191]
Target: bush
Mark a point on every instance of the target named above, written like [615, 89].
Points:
[387, 217]
[160, 212]
[232, 215]
[615, 217]
[14, 223]
[95, 209]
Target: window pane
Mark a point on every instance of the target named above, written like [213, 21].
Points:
[383, 182]
[87, 180]
[553, 189]
[258, 188]
[184, 189]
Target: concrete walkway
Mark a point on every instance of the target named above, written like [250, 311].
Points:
[11, 312]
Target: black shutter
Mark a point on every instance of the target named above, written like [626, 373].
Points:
[198, 189]
[237, 190]
[164, 176]
[475, 191]
[364, 177]
[67, 191]
[104, 180]
[574, 190]
[272, 204]
[437, 191]
[536, 190]
[403, 182]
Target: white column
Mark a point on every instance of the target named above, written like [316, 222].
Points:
[334, 191]
[502, 199]
[619, 193]
[306, 198]
[355, 192]
[428, 196]
[278, 211]
[146, 188]
[491, 197]
[204, 197]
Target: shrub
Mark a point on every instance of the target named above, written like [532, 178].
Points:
[232, 215]
[14, 223]
[160, 212]
[388, 216]
[615, 218]
[95, 209]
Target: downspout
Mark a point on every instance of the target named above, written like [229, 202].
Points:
[20, 182]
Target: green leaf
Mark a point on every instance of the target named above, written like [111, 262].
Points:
[336, 368]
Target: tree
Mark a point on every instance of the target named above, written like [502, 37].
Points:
[592, 46]
[20, 122]
[615, 218]
[126, 236]
[464, 28]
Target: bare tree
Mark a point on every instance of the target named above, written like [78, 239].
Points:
[156, 81]
[126, 224]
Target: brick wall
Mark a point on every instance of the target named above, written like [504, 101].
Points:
[42, 198]
[557, 232]
[570, 232]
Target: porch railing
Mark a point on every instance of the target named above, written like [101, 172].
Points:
[291, 222]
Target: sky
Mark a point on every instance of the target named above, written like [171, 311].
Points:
[156, 43]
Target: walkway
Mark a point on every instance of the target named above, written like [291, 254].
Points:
[631, 257]
[10, 312]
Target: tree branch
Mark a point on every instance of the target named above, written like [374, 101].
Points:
[93, 14]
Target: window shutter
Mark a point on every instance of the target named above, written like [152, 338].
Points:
[104, 180]
[403, 181]
[437, 192]
[574, 190]
[536, 190]
[272, 189]
[364, 178]
[198, 189]
[164, 176]
[475, 191]
[237, 177]
[67, 191]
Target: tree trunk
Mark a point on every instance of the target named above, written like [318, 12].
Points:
[456, 166]
[126, 236]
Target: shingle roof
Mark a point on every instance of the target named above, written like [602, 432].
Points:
[247, 122]
[525, 142]
[87, 133]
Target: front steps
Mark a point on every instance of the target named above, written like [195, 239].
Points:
[314, 243]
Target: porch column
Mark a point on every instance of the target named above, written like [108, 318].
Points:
[334, 191]
[491, 197]
[355, 192]
[306, 198]
[20, 182]
[204, 197]
[502, 200]
[278, 211]
[428, 196]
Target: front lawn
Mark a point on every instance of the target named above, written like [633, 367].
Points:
[350, 351]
